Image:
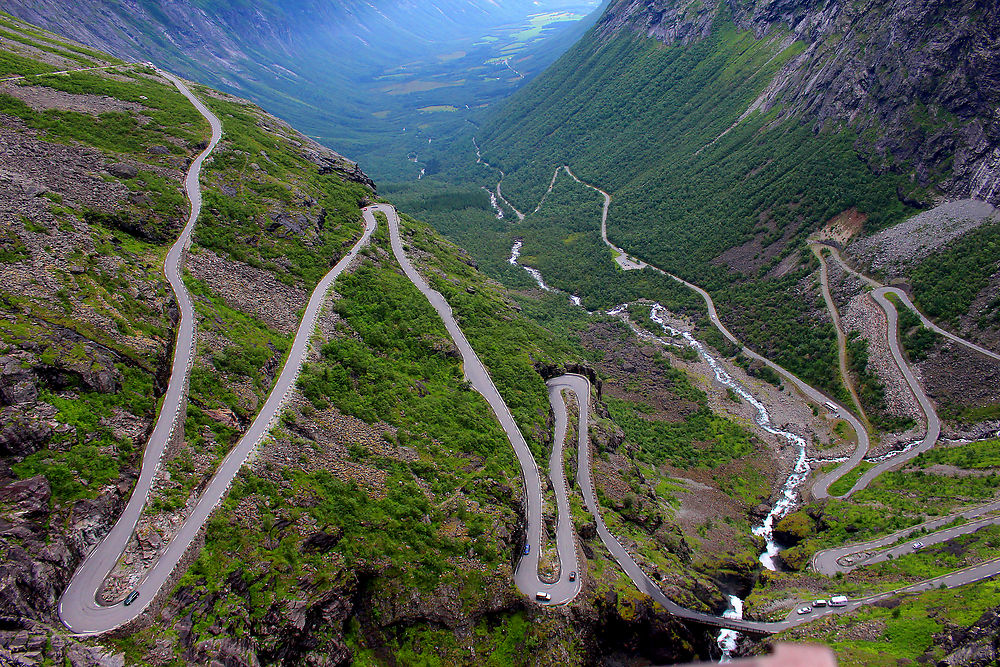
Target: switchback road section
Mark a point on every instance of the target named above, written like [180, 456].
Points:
[79, 608]
[526, 574]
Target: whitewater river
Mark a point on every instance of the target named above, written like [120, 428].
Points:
[788, 496]
[789, 491]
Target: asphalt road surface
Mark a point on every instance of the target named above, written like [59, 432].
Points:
[933, 422]
[831, 307]
[926, 321]
[820, 487]
[81, 613]
[564, 590]
[580, 386]
[78, 608]
[852, 556]
[526, 574]
[621, 257]
[963, 577]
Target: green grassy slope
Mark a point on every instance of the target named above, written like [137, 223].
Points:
[640, 118]
[654, 125]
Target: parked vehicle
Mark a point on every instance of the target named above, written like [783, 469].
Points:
[130, 598]
[838, 601]
[819, 603]
[543, 596]
[804, 610]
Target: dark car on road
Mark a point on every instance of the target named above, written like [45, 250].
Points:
[130, 598]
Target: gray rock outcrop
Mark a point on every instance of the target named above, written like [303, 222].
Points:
[921, 77]
[17, 383]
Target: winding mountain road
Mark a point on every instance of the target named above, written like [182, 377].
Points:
[930, 414]
[80, 611]
[526, 574]
[905, 299]
[831, 307]
[499, 195]
[820, 488]
[622, 258]
[880, 293]
[78, 607]
[851, 556]
[580, 386]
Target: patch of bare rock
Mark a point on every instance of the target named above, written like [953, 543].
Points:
[254, 291]
[894, 249]
[41, 98]
[867, 318]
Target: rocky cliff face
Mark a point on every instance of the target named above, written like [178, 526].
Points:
[975, 646]
[919, 82]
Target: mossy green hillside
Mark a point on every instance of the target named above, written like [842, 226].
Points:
[907, 626]
[268, 204]
[697, 188]
[442, 485]
[84, 303]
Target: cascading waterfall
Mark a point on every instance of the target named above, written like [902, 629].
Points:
[727, 639]
[495, 204]
[515, 253]
[789, 491]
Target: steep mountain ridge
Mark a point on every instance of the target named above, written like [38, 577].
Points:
[353, 75]
[919, 82]
[728, 132]
[129, 28]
